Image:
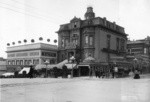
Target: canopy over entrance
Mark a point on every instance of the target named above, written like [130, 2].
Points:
[50, 66]
[89, 60]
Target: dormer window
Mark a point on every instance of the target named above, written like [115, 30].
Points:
[75, 24]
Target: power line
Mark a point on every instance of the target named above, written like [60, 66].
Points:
[22, 13]
[24, 4]
[39, 16]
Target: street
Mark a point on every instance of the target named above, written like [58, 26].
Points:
[83, 89]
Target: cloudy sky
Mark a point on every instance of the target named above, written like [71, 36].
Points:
[31, 19]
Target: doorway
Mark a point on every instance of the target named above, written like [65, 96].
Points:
[84, 71]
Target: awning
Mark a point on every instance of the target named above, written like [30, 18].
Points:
[59, 65]
[70, 66]
[50, 66]
[27, 69]
[89, 60]
[7, 74]
[40, 66]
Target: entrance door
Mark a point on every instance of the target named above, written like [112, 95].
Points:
[84, 71]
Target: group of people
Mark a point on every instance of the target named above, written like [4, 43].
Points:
[114, 72]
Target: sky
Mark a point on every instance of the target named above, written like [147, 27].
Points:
[31, 19]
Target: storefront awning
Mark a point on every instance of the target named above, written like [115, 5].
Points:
[70, 66]
[50, 66]
[27, 69]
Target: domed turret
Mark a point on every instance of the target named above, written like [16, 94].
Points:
[89, 13]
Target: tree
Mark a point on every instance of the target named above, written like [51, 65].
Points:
[40, 38]
[19, 42]
[55, 41]
[48, 40]
[8, 44]
[32, 40]
[25, 41]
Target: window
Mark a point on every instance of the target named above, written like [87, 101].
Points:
[117, 44]
[21, 62]
[17, 62]
[36, 61]
[75, 41]
[9, 62]
[108, 41]
[75, 24]
[62, 44]
[67, 42]
[145, 50]
[86, 39]
[13, 62]
[91, 40]
[122, 45]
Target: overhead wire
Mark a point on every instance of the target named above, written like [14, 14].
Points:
[25, 12]
[34, 8]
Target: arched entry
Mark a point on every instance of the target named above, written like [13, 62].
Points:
[84, 70]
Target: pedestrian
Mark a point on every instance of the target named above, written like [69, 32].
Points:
[96, 72]
[136, 74]
[31, 72]
[112, 72]
[115, 71]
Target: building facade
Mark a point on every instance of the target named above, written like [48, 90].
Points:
[94, 36]
[139, 50]
[37, 53]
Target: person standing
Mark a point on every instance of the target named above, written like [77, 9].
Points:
[115, 71]
[31, 72]
[136, 74]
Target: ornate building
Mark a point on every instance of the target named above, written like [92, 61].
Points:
[23, 55]
[93, 36]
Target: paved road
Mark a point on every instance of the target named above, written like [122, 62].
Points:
[75, 90]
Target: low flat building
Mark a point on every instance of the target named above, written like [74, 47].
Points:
[37, 53]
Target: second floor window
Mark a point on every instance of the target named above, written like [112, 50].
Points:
[91, 40]
[62, 44]
[75, 41]
[117, 44]
[108, 41]
[122, 45]
[86, 39]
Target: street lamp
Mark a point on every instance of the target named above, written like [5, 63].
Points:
[72, 60]
[46, 63]
[135, 60]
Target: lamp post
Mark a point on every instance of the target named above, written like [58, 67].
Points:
[46, 63]
[72, 60]
[135, 60]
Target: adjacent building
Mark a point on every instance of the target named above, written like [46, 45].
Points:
[2, 65]
[95, 36]
[139, 51]
[36, 53]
